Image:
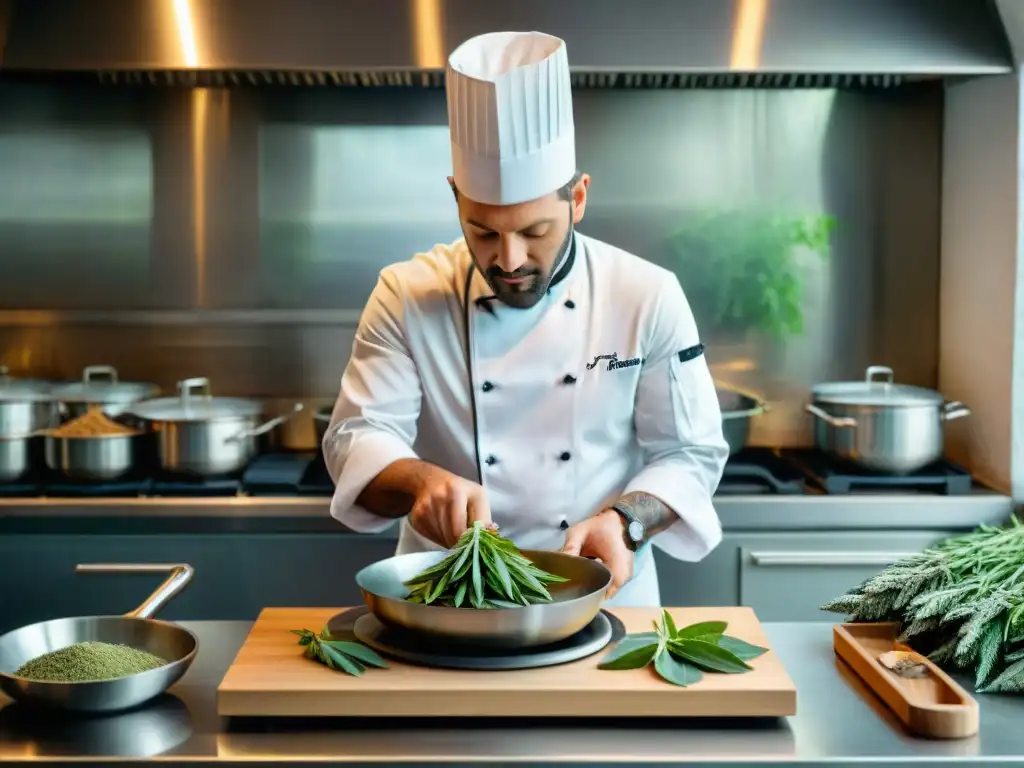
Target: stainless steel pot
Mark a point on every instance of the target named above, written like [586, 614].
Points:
[880, 425]
[93, 457]
[100, 387]
[18, 455]
[737, 411]
[175, 644]
[202, 435]
[26, 405]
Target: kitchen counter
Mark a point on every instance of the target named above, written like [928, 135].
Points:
[280, 514]
[839, 723]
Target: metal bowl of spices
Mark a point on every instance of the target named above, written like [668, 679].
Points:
[95, 664]
[93, 447]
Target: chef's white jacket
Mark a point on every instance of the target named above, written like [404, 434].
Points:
[599, 390]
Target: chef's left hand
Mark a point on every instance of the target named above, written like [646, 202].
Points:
[603, 537]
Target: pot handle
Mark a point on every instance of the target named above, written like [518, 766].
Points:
[181, 575]
[90, 372]
[840, 422]
[874, 370]
[265, 427]
[186, 386]
[757, 410]
[954, 410]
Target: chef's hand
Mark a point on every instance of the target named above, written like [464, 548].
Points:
[603, 537]
[446, 505]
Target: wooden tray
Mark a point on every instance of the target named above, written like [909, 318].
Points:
[271, 678]
[934, 706]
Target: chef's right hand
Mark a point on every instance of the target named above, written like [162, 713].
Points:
[446, 506]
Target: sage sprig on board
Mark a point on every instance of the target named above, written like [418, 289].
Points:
[483, 570]
[341, 655]
[961, 603]
[681, 655]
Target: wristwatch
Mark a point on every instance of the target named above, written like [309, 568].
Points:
[635, 530]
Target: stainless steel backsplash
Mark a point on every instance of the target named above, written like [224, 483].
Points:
[235, 234]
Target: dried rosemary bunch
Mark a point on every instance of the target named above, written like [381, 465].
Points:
[483, 570]
[961, 603]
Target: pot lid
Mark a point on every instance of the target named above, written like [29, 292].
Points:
[876, 391]
[194, 403]
[13, 389]
[100, 384]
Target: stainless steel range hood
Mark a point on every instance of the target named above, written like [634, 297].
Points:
[612, 43]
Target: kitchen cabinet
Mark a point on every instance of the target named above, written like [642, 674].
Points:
[787, 577]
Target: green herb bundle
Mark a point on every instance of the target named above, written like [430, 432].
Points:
[961, 603]
[341, 655]
[681, 656]
[483, 570]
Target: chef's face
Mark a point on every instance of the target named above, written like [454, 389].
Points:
[517, 248]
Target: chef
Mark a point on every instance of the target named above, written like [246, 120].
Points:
[527, 374]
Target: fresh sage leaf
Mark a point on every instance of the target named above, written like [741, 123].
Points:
[701, 629]
[668, 623]
[629, 655]
[675, 671]
[740, 648]
[341, 655]
[361, 653]
[708, 656]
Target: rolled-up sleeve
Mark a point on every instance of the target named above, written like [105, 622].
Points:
[679, 429]
[375, 416]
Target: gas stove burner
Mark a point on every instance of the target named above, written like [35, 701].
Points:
[405, 646]
[760, 470]
[835, 476]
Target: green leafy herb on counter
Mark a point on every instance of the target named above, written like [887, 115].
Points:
[961, 603]
[483, 570]
[341, 655]
[681, 656]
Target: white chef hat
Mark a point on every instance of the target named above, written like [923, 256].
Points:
[510, 117]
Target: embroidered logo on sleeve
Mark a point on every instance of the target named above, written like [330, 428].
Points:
[614, 363]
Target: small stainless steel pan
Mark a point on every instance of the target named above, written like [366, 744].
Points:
[574, 604]
[169, 641]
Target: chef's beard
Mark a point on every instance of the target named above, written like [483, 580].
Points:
[526, 294]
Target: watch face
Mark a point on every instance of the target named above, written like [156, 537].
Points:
[636, 531]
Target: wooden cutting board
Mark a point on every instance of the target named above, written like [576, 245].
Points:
[271, 678]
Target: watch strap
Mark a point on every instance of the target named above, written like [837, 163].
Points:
[633, 523]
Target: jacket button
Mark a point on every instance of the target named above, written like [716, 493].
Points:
[568, 379]
[565, 456]
[491, 460]
[564, 525]
[570, 304]
[487, 386]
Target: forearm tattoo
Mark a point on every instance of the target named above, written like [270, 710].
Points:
[655, 514]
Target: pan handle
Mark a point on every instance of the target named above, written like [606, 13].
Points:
[265, 427]
[181, 575]
[840, 422]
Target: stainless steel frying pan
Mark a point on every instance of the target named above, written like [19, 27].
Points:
[169, 641]
[574, 604]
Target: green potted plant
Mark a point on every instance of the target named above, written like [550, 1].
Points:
[741, 272]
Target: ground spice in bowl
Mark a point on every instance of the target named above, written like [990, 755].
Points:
[89, 661]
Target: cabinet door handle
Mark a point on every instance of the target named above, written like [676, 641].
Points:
[770, 559]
